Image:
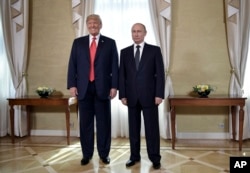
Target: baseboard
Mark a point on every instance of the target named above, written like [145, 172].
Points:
[179, 135]
[183, 135]
[53, 133]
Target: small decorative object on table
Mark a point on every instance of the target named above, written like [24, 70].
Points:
[44, 91]
[203, 89]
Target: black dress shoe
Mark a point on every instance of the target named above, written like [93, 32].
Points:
[85, 161]
[131, 162]
[156, 165]
[105, 160]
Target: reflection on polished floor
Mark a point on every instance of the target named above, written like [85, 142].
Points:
[53, 155]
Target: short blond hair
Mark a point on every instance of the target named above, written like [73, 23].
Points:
[94, 17]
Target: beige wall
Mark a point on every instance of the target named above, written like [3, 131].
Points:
[198, 55]
[51, 37]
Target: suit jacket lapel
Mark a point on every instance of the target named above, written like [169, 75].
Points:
[143, 56]
[99, 46]
[131, 56]
[85, 44]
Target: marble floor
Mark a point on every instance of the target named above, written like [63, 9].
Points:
[53, 155]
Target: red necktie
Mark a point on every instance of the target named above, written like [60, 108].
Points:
[92, 59]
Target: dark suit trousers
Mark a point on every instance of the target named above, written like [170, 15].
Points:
[92, 108]
[151, 123]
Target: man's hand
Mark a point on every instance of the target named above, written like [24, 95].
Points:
[124, 101]
[158, 100]
[73, 91]
[113, 93]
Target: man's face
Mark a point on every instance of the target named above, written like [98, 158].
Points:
[138, 33]
[94, 26]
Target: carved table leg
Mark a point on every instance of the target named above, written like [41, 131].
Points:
[172, 113]
[28, 119]
[241, 122]
[67, 123]
[12, 123]
[233, 111]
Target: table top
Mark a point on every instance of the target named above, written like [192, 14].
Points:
[38, 97]
[213, 100]
[37, 100]
[208, 97]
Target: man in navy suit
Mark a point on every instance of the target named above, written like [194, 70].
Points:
[94, 81]
[142, 89]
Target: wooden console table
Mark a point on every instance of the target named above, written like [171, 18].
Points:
[29, 101]
[232, 102]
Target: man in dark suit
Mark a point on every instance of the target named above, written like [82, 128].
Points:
[93, 79]
[142, 89]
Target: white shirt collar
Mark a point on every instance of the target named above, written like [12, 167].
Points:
[91, 37]
[141, 45]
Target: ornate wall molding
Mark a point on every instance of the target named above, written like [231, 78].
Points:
[17, 7]
[232, 10]
[165, 8]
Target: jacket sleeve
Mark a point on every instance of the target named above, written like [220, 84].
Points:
[72, 68]
[160, 75]
[122, 78]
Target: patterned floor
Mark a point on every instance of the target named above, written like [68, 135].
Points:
[52, 155]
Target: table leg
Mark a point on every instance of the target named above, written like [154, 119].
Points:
[28, 119]
[12, 123]
[67, 123]
[233, 112]
[241, 122]
[172, 113]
